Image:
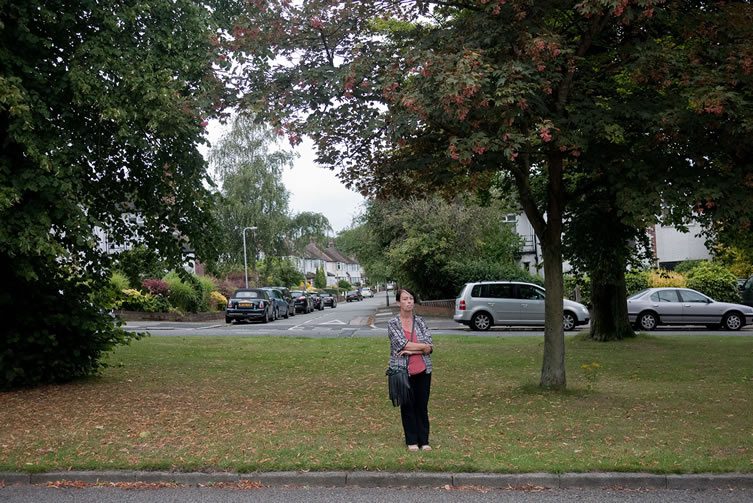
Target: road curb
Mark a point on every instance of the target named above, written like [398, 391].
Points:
[598, 480]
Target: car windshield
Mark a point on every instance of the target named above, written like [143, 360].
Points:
[247, 295]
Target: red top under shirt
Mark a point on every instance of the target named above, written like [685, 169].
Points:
[416, 363]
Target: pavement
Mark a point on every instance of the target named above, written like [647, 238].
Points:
[364, 479]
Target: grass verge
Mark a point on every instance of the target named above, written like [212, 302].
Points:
[655, 404]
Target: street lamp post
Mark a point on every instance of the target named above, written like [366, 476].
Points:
[245, 258]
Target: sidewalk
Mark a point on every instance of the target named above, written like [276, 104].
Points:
[397, 479]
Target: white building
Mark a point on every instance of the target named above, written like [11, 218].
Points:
[669, 245]
[336, 265]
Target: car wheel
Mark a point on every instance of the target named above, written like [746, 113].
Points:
[228, 320]
[266, 317]
[568, 321]
[287, 314]
[647, 321]
[733, 321]
[481, 321]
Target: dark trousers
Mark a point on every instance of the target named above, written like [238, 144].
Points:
[415, 416]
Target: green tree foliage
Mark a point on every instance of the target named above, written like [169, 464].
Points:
[249, 165]
[139, 263]
[344, 284]
[307, 226]
[253, 194]
[320, 279]
[280, 272]
[434, 246]
[102, 107]
[557, 97]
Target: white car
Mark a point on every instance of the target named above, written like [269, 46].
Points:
[488, 303]
[366, 292]
[683, 306]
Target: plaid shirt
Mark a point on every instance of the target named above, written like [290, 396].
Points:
[398, 341]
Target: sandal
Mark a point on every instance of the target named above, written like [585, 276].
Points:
[413, 448]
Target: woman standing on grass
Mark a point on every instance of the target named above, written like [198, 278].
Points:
[411, 347]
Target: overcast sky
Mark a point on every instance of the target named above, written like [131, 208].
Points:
[311, 187]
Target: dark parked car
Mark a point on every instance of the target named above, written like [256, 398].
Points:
[249, 304]
[302, 301]
[281, 309]
[329, 300]
[746, 290]
[353, 296]
[683, 306]
[288, 298]
[318, 302]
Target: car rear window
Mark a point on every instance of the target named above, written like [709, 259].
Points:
[247, 295]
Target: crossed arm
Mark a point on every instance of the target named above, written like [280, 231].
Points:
[416, 348]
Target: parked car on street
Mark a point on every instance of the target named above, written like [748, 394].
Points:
[288, 298]
[302, 301]
[746, 290]
[366, 292]
[485, 304]
[329, 300]
[249, 304]
[281, 307]
[353, 296]
[317, 298]
[683, 306]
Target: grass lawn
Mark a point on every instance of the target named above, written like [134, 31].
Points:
[656, 404]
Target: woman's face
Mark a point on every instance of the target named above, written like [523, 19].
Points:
[406, 301]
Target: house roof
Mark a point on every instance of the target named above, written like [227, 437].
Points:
[313, 252]
[337, 255]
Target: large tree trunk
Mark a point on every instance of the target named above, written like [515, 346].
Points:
[553, 366]
[609, 318]
[549, 231]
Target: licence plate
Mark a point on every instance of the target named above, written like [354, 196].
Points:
[244, 304]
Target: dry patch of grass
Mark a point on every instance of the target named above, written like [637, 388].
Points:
[669, 404]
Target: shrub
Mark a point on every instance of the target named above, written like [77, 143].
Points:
[344, 284]
[228, 287]
[68, 332]
[182, 295]
[687, 266]
[217, 301]
[204, 286]
[456, 274]
[583, 283]
[663, 278]
[119, 281]
[635, 281]
[133, 300]
[716, 281]
[155, 286]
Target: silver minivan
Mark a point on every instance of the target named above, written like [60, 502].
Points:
[485, 304]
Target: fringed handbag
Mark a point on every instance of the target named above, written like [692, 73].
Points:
[399, 386]
[398, 382]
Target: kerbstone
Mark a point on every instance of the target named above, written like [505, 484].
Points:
[505, 480]
[313, 479]
[604, 480]
[90, 477]
[399, 479]
[710, 481]
[9, 478]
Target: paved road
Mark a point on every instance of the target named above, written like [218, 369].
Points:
[367, 318]
[42, 494]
